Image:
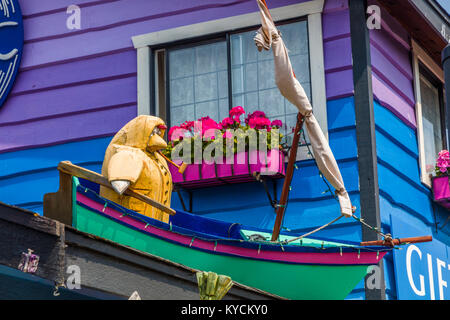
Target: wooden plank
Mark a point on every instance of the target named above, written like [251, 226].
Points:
[105, 266]
[418, 27]
[54, 130]
[83, 71]
[28, 219]
[58, 205]
[71, 169]
[129, 269]
[20, 231]
[115, 92]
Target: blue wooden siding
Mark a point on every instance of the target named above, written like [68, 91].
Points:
[25, 176]
[401, 191]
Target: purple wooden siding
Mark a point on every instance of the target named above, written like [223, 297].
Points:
[392, 69]
[81, 84]
[337, 49]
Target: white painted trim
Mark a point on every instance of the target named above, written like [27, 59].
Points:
[143, 80]
[317, 67]
[420, 139]
[420, 55]
[226, 24]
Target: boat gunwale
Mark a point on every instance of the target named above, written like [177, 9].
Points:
[296, 249]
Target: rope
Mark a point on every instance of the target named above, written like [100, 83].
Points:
[387, 237]
[314, 231]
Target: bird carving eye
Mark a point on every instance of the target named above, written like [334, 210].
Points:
[156, 131]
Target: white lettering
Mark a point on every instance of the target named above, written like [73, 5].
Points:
[441, 282]
[430, 276]
[421, 291]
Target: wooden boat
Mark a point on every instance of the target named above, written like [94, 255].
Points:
[310, 268]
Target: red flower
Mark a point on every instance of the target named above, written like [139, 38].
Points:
[175, 133]
[259, 123]
[187, 125]
[277, 123]
[226, 123]
[256, 114]
[236, 112]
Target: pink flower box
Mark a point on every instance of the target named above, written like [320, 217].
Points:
[441, 191]
[245, 164]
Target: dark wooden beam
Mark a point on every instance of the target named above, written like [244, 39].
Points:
[108, 270]
[365, 127]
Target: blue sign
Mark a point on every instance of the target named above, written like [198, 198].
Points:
[11, 45]
[422, 270]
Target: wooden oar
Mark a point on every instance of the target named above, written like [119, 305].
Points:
[181, 167]
[74, 170]
[395, 242]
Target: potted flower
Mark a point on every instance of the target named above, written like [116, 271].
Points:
[227, 151]
[440, 182]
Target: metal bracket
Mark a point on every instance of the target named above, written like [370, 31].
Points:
[178, 189]
[263, 179]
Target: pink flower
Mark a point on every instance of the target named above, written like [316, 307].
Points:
[277, 123]
[259, 123]
[236, 112]
[443, 161]
[175, 133]
[208, 127]
[226, 123]
[187, 125]
[444, 154]
[256, 114]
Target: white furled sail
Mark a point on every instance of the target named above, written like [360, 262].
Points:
[268, 37]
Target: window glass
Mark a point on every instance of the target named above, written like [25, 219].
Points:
[431, 122]
[198, 80]
[253, 78]
[198, 77]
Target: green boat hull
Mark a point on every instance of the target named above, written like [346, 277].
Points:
[292, 281]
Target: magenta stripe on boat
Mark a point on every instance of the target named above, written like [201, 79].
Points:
[335, 258]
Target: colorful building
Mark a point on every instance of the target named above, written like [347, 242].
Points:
[373, 72]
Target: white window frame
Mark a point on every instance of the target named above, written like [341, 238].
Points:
[419, 55]
[311, 9]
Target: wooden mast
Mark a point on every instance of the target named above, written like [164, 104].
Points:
[281, 207]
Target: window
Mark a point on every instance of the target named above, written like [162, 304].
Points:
[253, 78]
[198, 77]
[198, 82]
[207, 68]
[430, 112]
